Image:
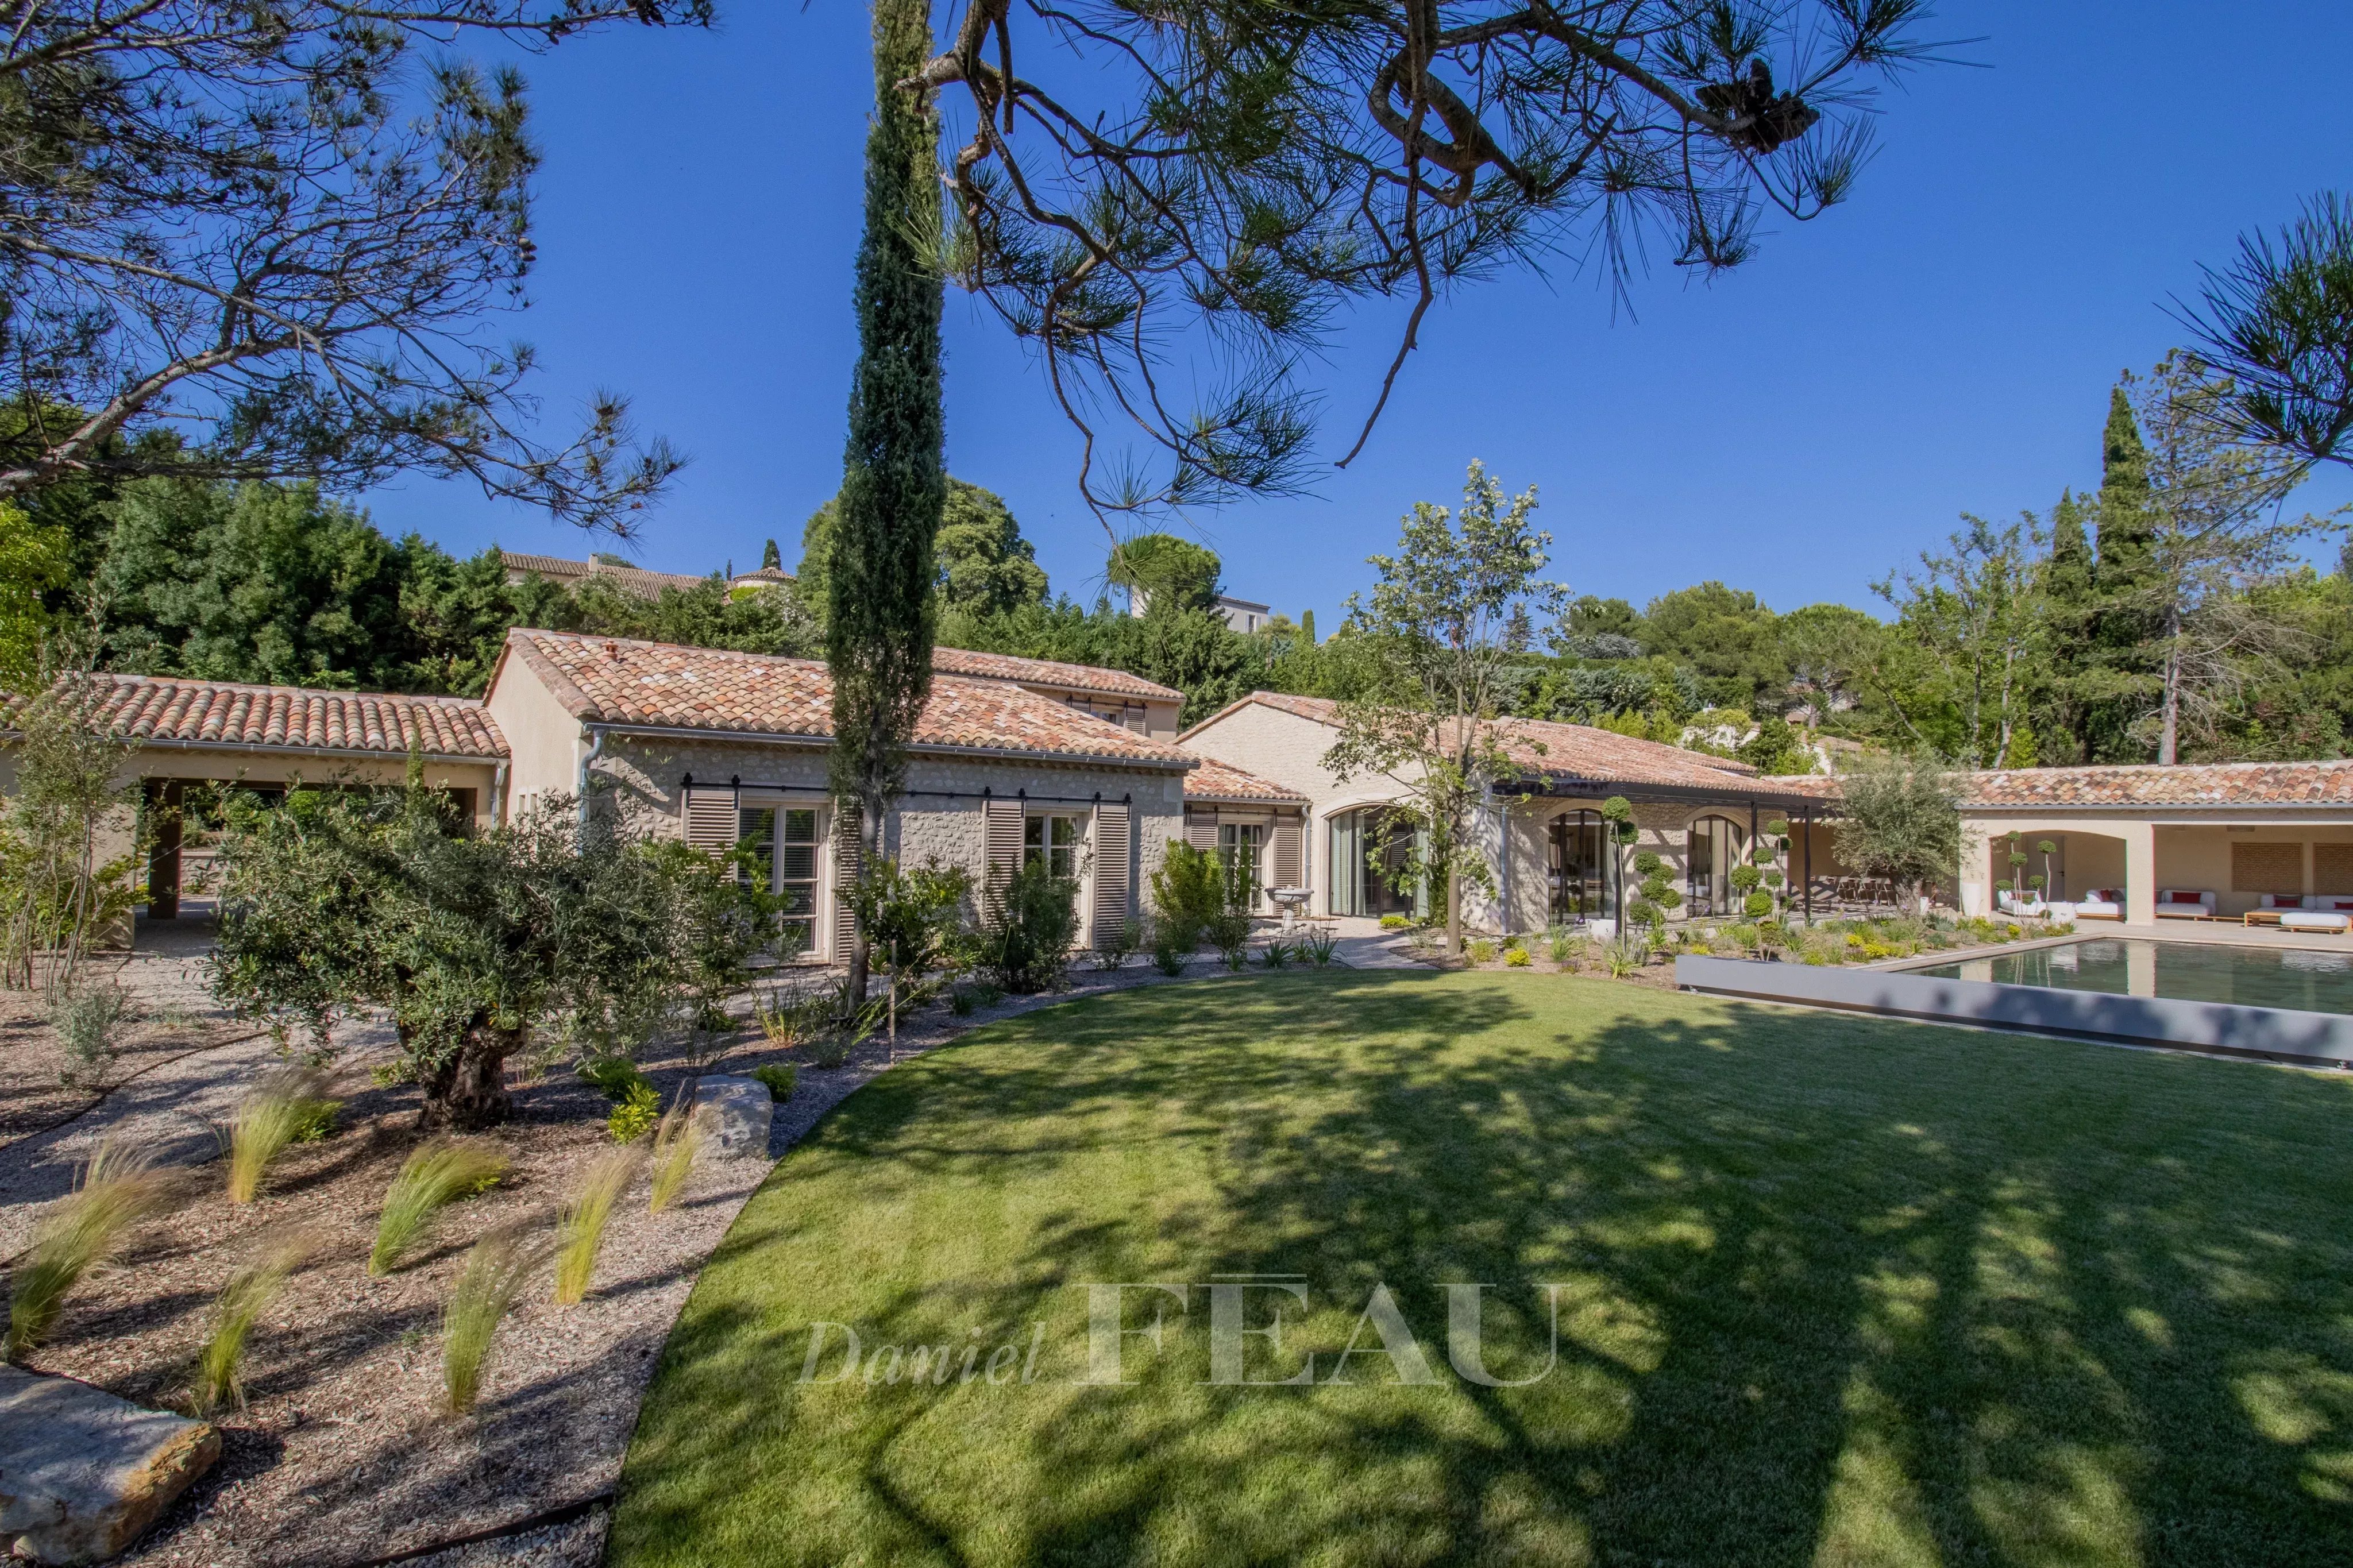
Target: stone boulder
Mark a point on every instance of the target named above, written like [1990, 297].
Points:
[81, 1472]
[735, 1113]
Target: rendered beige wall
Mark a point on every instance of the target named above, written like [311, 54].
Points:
[544, 739]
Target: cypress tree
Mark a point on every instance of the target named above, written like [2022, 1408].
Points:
[771, 558]
[2124, 499]
[2067, 585]
[2120, 625]
[894, 482]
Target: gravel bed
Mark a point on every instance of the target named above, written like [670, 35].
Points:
[343, 1454]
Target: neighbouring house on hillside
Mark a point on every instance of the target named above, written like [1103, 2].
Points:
[1544, 832]
[765, 577]
[1244, 615]
[568, 574]
[727, 747]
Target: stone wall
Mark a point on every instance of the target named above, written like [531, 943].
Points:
[941, 816]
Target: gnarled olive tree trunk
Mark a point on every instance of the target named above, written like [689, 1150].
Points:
[466, 1091]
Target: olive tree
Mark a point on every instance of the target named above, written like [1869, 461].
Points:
[338, 902]
[1900, 822]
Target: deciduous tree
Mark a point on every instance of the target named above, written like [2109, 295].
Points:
[1454, 608]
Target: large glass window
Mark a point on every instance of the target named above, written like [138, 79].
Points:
[1716, 846]
[1057, 840]
[1580, 865]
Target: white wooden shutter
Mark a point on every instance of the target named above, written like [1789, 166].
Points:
[1288, 843]
[710, 820]
[1114, 870]
[848, 856]
[1004, 840]
[1202, 830]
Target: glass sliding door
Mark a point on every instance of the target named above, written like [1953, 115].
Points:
[1579, 869]
[1715, 845]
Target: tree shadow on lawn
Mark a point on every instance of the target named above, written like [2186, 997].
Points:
[1831, 1290]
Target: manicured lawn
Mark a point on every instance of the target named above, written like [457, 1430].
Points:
[1832, 1291]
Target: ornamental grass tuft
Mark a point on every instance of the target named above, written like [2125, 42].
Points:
[677, 1142]
[494, 1275]
[247, 1295]
[435, 1175]
[117, 1191]
[580, 1228]
[280, 1111]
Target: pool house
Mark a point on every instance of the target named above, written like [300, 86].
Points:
[2191, 842]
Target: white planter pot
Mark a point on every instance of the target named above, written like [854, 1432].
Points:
[1604, 930]
[1973, 902]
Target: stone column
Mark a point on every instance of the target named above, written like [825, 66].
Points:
[2140, 872]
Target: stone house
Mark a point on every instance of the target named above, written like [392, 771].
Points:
[1542, 827]
[1012, 761]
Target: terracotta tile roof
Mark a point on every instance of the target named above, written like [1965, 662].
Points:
[226, 713]
[1214, 780]
[560, 569]
[614, 680]
[1561, 752]
[1050, 672]
[2199, 783]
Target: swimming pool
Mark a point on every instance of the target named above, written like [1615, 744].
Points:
[2182, 970]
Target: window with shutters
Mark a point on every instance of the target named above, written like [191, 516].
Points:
[1057, 840]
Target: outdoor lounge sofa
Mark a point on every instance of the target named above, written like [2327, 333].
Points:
[2311, 911]
[2184, 904]
[2101, 904]
[2030, 908]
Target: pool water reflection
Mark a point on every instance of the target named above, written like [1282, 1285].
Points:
[2189, 972]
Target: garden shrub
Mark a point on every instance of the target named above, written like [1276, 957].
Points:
[86, 1019]
[635, 1113]
[781, 1077]
[1516, 958]
[1480, 950]
[1188, 891]
[1394, 922]
[1030, 923]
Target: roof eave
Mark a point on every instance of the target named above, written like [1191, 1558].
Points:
[934, 749]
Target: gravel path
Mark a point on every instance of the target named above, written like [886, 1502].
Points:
[342, 1454]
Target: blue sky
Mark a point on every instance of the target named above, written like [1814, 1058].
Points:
[1944, 342]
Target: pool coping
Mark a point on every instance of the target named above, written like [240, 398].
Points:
[2212, 1029]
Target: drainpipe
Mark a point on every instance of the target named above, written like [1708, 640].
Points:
[596, 749]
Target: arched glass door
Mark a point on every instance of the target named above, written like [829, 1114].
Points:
[1579, 869]
[1715, 845]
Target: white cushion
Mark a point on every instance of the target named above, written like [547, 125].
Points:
[2338, 903]
[2313, 919]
